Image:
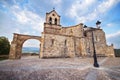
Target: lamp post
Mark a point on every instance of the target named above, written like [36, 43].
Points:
[94, 52]
[98, 24]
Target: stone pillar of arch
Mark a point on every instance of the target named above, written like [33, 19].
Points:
[12, 54]
[41, 48]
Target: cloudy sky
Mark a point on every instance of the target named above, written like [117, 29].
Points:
[28, 16]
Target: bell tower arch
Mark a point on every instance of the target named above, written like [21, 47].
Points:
[52, 18]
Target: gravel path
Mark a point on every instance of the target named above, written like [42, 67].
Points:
[33, 68]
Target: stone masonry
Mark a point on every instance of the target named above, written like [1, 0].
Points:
[73, 41]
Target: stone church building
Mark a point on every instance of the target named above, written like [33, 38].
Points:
[59, 41]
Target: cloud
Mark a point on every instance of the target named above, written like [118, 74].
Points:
[113, 35]
[17, 19]
[114, 38]
[106, 5]
[28, 23]
[28, 18]
[31, 43]
[110, 25]
[80, 7]
[56, 2]
[89, 10]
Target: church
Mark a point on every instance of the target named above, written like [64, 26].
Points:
[72, 41]
[64, 42]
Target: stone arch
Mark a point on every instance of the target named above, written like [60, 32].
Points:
[50, 20]
[55, 21]
[16, 45]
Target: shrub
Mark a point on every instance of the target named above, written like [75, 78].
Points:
[4, 46]
[117, 52]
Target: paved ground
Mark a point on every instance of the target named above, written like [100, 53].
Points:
[33, 68]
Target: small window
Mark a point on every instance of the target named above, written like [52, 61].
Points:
[50, 20]
[55, 21]
[95, 38]
[71, 31]
[65, 42]
[53, 14]
[85, 34]
[52, 42]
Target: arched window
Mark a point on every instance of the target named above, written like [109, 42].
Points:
[56, 21]
[65, 42]
[50, 20]
[52, 42]
[85, 34]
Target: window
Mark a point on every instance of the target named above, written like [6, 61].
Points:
[96, 38]
[85, 34]
[71, 31]
[53, 14]
[52, 42]
[50, 20]
[65, 42]
[55, 21]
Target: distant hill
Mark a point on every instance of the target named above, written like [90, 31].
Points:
[30, 50]
[36, 50]
[117, 52]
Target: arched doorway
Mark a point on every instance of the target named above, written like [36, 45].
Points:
[17, 43]
[31, 47]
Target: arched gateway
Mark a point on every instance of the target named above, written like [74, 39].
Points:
[17, 43]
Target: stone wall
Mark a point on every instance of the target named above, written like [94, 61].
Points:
[76, 31]
[102, 49]
[63, 41]
[74, 41]
[110, 51]
[58, 46]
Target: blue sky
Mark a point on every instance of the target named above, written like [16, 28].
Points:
[28, 16]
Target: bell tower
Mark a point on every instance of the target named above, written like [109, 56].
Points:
[52, 18]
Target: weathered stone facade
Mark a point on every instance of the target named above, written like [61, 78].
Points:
[72, 41]
[58, 41]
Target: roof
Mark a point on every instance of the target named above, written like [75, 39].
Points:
[53, 11]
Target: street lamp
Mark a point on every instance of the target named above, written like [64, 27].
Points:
[94, 52]
[98, 24]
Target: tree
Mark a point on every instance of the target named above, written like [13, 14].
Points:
[117, 52]
[4, 46]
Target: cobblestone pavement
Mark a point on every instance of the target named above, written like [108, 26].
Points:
[33, 68]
